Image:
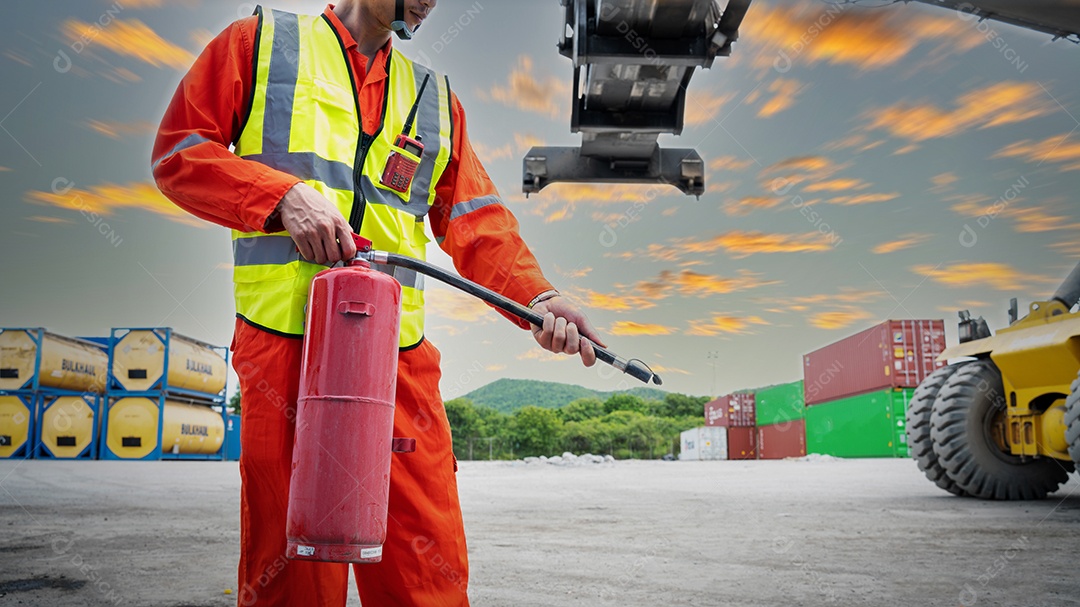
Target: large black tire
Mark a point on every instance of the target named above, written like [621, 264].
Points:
[918, 429]
[1072, 421]
[960, 428]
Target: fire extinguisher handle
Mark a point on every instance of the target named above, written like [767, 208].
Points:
[633, 367]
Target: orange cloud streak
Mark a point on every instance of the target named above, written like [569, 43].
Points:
[488, 153]
[107, 199]
[565, 197]
[800, 163]
[702, 107]
[863, 198]
[844, 296]
[614, 302]
[737, 242]
[719, 324]
[747, 204]
[452, 305]
[1000, 276]
[837, 185]
[525, 92]
[116, 130]
[627, 327]
[691, 283]
[784, 90]
[49, 219]
[730, 163]
[813, 32]
[1052, 149]
[911, 240]
[838, 319]
[994, 105]
[130, 38]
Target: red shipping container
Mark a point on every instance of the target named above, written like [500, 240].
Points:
[735, 410]
[893, 354]
[716, 412]
[741, 411]
[786, 439]
[742, 443]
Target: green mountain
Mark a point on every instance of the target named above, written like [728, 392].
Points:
[509, 395]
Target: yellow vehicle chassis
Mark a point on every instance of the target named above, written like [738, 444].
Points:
[1038, 356]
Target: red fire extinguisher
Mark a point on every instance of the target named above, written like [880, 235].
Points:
[345, 417]
[345, 411]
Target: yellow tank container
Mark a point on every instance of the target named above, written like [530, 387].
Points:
[139, 362]
[187, 429]
[66, 363]
[66, 425]
[15, 422]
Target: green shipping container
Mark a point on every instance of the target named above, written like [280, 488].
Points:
[866, 425]
[780, 403]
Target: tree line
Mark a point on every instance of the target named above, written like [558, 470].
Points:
[624, 426]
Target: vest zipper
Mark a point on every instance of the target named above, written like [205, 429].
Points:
[356, 218]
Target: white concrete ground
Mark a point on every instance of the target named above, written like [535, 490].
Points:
[849, 532]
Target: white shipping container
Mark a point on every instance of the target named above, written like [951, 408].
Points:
[704, 443]
[712, 443]
[688, 450]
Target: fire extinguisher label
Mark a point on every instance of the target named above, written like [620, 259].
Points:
[370, 553]
[305, 551]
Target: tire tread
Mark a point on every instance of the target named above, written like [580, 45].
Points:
[969, 463]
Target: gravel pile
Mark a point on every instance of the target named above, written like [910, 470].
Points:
[816, 457]
[569, 459]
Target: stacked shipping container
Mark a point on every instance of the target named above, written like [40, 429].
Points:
[857, 389]
[852, 401]
[704, 443]
[734, 413]
[137, 394]
[165, 397]
[778, 441]
[50, 394]
[864, 425]
[893, 354]
[781, 431]
[731, 411]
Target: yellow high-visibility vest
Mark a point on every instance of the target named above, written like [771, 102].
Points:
[305, 121]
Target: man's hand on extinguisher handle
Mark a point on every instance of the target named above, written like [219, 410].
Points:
[564, 327]
[320, 232]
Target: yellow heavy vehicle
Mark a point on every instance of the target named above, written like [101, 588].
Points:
[1003, 421]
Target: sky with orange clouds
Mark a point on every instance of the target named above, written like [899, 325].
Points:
[864, 163]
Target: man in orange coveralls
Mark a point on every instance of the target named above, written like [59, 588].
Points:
[314, 106]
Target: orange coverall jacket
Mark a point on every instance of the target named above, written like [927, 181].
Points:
[424, 555]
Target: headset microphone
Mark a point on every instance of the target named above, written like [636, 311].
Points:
[400, 27]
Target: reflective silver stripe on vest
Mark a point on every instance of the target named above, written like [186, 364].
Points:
[185, 143]
[281, 83]
[281, 250]
[375, 195]
[309, 165]
[464, 208]
[264, 250]
[428, 121]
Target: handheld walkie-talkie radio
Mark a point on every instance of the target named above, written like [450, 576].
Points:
[400, 169]
[406, 153]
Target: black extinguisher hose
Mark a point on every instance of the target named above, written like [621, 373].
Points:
[632, 367]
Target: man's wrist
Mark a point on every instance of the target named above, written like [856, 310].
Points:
[546, 295]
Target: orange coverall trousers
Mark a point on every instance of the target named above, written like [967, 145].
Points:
[424, 558]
